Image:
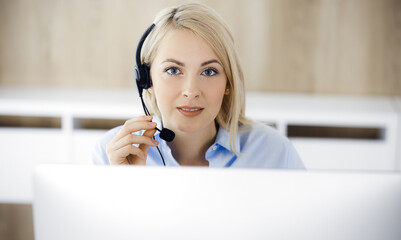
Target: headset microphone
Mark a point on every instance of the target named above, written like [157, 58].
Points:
[166, 134]
[143, 81]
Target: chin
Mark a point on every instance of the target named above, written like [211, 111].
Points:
[189, 125]
[188, 128]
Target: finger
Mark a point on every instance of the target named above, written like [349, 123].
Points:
[141, 118]
[148, 134]
[134, 125]
[120, 156]
[133, 139]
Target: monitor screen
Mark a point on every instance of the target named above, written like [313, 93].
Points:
[131, 202]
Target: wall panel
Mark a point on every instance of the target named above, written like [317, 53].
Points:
[312, 46]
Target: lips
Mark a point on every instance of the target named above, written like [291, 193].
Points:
[190, 111]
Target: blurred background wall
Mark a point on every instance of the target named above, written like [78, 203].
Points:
[302, 46]
[308, 46]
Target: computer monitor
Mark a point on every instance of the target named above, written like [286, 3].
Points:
[132, 202]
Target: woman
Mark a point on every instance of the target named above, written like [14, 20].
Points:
[198, 92]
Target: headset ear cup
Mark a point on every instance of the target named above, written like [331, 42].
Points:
[147, 81]
[136, 75]
[142, 77]
[137, 78]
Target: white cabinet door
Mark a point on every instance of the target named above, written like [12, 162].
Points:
[21, 150]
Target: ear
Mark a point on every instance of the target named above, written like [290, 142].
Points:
[227, 91]
[150, 90]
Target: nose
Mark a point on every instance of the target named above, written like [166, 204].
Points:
[191, 93]
[191, 88]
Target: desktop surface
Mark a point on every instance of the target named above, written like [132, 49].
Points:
[131, 202]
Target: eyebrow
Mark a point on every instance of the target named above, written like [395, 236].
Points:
[182, 64]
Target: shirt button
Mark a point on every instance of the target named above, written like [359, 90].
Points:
[214, 148]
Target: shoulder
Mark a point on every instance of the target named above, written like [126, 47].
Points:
[261, 132]
[99, 156]
[269, 145]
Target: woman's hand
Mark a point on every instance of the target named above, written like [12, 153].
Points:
[120, 150]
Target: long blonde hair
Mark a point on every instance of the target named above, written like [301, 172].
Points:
[206, 23]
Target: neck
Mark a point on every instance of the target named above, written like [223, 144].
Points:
[189, 149]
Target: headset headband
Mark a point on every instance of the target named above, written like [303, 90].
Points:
[141, 41]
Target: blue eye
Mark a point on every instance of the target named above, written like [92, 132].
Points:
[173, 71]
[210, 72]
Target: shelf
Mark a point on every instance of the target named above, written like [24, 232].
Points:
[54, 125]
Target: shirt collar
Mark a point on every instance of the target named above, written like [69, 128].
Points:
[223, 139]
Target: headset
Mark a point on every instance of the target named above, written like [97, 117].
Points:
[141, 70]
[143, 81]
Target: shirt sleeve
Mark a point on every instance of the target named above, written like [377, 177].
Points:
[293, 159]
[99, 156]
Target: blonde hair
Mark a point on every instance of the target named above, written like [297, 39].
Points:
[207, 24]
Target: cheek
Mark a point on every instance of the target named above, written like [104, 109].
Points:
[215, 94]
[218, 94]
[218, 88]
[164, 94]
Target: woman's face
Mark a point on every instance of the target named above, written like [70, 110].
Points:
[189, 82]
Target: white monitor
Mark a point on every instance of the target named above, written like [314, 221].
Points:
[104, 202]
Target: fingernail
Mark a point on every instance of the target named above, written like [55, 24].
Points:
[155, 142]
[153, 124]
[148, 117]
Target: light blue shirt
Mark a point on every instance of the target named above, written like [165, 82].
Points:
[260, 146]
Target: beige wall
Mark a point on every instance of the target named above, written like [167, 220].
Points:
[313, 46]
